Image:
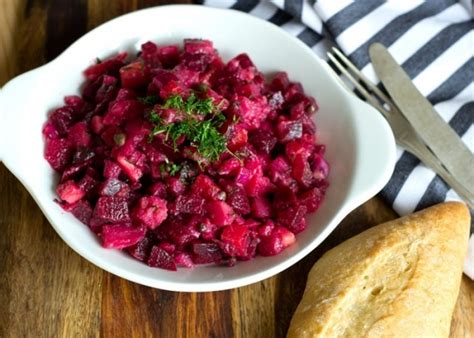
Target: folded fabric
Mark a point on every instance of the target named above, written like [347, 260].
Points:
[432, 40]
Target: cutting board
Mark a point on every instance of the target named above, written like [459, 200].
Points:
[47, 290]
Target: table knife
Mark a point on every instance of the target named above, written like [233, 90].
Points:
[443, 141]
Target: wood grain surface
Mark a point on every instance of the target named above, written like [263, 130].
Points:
[47, 290]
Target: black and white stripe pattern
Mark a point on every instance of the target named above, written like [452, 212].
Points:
[432, 40]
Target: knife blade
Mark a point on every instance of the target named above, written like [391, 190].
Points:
[432, 129]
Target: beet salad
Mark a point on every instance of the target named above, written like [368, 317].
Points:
[178, 158]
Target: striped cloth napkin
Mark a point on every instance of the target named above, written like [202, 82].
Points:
[432, 40]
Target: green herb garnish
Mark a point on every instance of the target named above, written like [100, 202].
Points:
[174, 168]
[201, 134]
[170, 168]
[174, 102]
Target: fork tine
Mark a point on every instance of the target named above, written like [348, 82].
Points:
[356, 83]
[361, 76]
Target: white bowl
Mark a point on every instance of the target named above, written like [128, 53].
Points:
[360, 144]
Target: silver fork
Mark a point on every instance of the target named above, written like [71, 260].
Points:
[404, 133]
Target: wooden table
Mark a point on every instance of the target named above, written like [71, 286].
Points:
[47, 290]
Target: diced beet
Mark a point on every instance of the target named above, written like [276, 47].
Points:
[158, 189]
[70, 192]
[173, 88]
[261, 207]
[169, 56]
[204, 253]
[243, 177]
[50, 131]
[251, 111]
[242, 68]
[249, 223]
[58, 153]
[207, 229]
[258, 186]
[296, 147]
[75, 102]
[284, 198]
[74, 170]
[198, 46]
[129, 169]
[203, 185]
[175, 186]
[293, 218]
[106, 66]
[79, 135]
[275, 240]
[183, 259]
[159, 258]
[105, 93]
[161, 78]
[238, 200]
[220, 213]
[280, 82]
[287, 237]
[121, 236]
[289, 130]
[302, 171]
[110, 209]
[121, 110]
[134, 75]
[217, 99]
[311, 199]
[150, 211]
[280, 172]
[150, 54]
[193, 64]
[321, 168]
[88, 183]
[230, 167]
[297, 111]
[62, 119]
[114, 187]
[263, 140]
[237, 137]
[266, 229]
[111, 169]
[82, 211]
[168, 247]
[308, 125]
[271, 245]
[183, 235]
[142, 249]
[97, 124]
[293, 90]
[249, 89]
[238, 239]
[189, 204]
[126, 94]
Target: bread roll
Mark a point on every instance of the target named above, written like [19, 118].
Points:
[397, 279]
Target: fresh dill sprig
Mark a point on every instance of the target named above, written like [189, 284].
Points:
[202, 134]
[174, 168]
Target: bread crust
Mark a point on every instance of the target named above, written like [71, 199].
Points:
[397, 279]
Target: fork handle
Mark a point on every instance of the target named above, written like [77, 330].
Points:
[432, 162]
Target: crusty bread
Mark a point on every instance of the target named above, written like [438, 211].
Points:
[397, 279]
